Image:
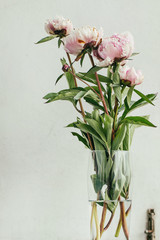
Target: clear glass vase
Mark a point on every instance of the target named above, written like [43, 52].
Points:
[109, 194]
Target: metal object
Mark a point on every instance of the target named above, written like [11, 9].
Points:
[150, 232]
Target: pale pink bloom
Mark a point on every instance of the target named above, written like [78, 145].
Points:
[79, 38]
[130, 76]
[116, 47]
[59, 25]
[105, 62]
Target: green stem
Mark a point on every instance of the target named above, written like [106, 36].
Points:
[109, 73]
[92, 215]
[124, 222]
[120, 222]
[104, 211]
[86, 84]
[99, 86]
[109, 222]
[96, 222]
[116, 113]
[115, 108]
[80, 102]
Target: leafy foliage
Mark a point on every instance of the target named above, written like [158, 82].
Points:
[66, 94]
[138, 121]
[100, 129]
[46, 39]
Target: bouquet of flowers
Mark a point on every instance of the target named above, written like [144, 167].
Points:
[108, 126]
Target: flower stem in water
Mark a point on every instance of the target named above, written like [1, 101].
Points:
[120, 222]
[104, 211]
[96, 222]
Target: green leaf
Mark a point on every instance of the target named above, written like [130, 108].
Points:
[108, 169]
[81, 54]
[129, 134]
[68, 75]
[63, 61]
[82, 59]
[132, 130]
[80, 138]
[87, 93]
[94, 103]
[106, 101]
[59, 78]
[116, 78]
[86, 128]
[50, 95]
[117, 179]
[109, 93]
[80, 95]
[90, 93]
[117, 91]
[46, 39]
[86, 78]
[126, 104]
[97, 127]
[108, 124]
[92, 78]
[126, 141]
[143, 96]
[138, 121]
[141, 102]
[96, 116]
[97, 182]
[129, 95]
[134, 54]
[98, 146]
[73, 124]
[119, 137]
[109, 72]
[103, 162]
[70, 79]
[94, 69]
[66, 94]
[116, 82]
[59, 42]
[111, 205]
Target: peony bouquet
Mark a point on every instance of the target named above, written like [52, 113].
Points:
[108, 126]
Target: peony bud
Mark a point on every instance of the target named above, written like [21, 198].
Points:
[65, 68]
[129, 76]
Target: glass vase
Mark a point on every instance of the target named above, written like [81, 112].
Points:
[109, 194]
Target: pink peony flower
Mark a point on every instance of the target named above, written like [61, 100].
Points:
[116, 47]
[59, 25]
[82, 37]
[129, 76]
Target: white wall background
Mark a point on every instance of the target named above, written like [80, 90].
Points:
[43, 193]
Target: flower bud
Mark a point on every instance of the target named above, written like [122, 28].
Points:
[129, 76]
[65, 68]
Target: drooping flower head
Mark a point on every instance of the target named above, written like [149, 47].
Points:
[129, 76]
[81, 38]
[59, 25]
[115, 48]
